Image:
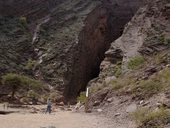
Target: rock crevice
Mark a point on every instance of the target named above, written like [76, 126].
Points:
[102, 26]
[69, 48]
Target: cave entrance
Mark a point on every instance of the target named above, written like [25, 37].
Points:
[102, 26]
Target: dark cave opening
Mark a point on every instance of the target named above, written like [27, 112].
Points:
[102, 26]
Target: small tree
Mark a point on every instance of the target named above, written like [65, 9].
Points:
[17, 82]
[13, 81]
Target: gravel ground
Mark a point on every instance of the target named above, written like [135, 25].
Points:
[58, 119]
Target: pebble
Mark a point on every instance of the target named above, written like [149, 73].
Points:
[158, 104]
[117, 114]
[168, 65]
[99, 110]
[141, 102]
[109, 100]
[96, 103]
[146, 103]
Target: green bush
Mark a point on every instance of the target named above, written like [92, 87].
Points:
[151, 119]
[23, 21]
[32, 83]
[18, 82]
[135, 62]
[118, 69]
[12, 81]
[82, 98]
[30, 64]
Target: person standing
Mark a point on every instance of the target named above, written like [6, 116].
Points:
[6, 105]
[49, 106]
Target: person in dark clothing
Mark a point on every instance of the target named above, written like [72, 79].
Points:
[49, 106]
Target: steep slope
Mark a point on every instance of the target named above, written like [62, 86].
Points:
[134, 77]
[69, 38]
[15, 46]
[28, 47]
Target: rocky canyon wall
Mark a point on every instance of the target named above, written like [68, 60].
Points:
[69, 37]
[103, 25]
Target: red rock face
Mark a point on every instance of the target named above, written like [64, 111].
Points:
[102, 26]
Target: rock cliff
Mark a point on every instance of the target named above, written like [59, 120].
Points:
[144, 35]
[100, 29]
[134, 74]
[119, 48]
[65, 41]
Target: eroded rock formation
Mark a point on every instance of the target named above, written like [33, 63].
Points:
[69, 37]
[102, 26]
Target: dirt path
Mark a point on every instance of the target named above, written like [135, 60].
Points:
[62, 119]
[23, 118]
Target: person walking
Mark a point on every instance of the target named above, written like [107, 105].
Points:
[49, 106]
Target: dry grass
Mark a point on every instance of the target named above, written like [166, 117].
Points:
[156, 84]
[151, 118]
[135, 62]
